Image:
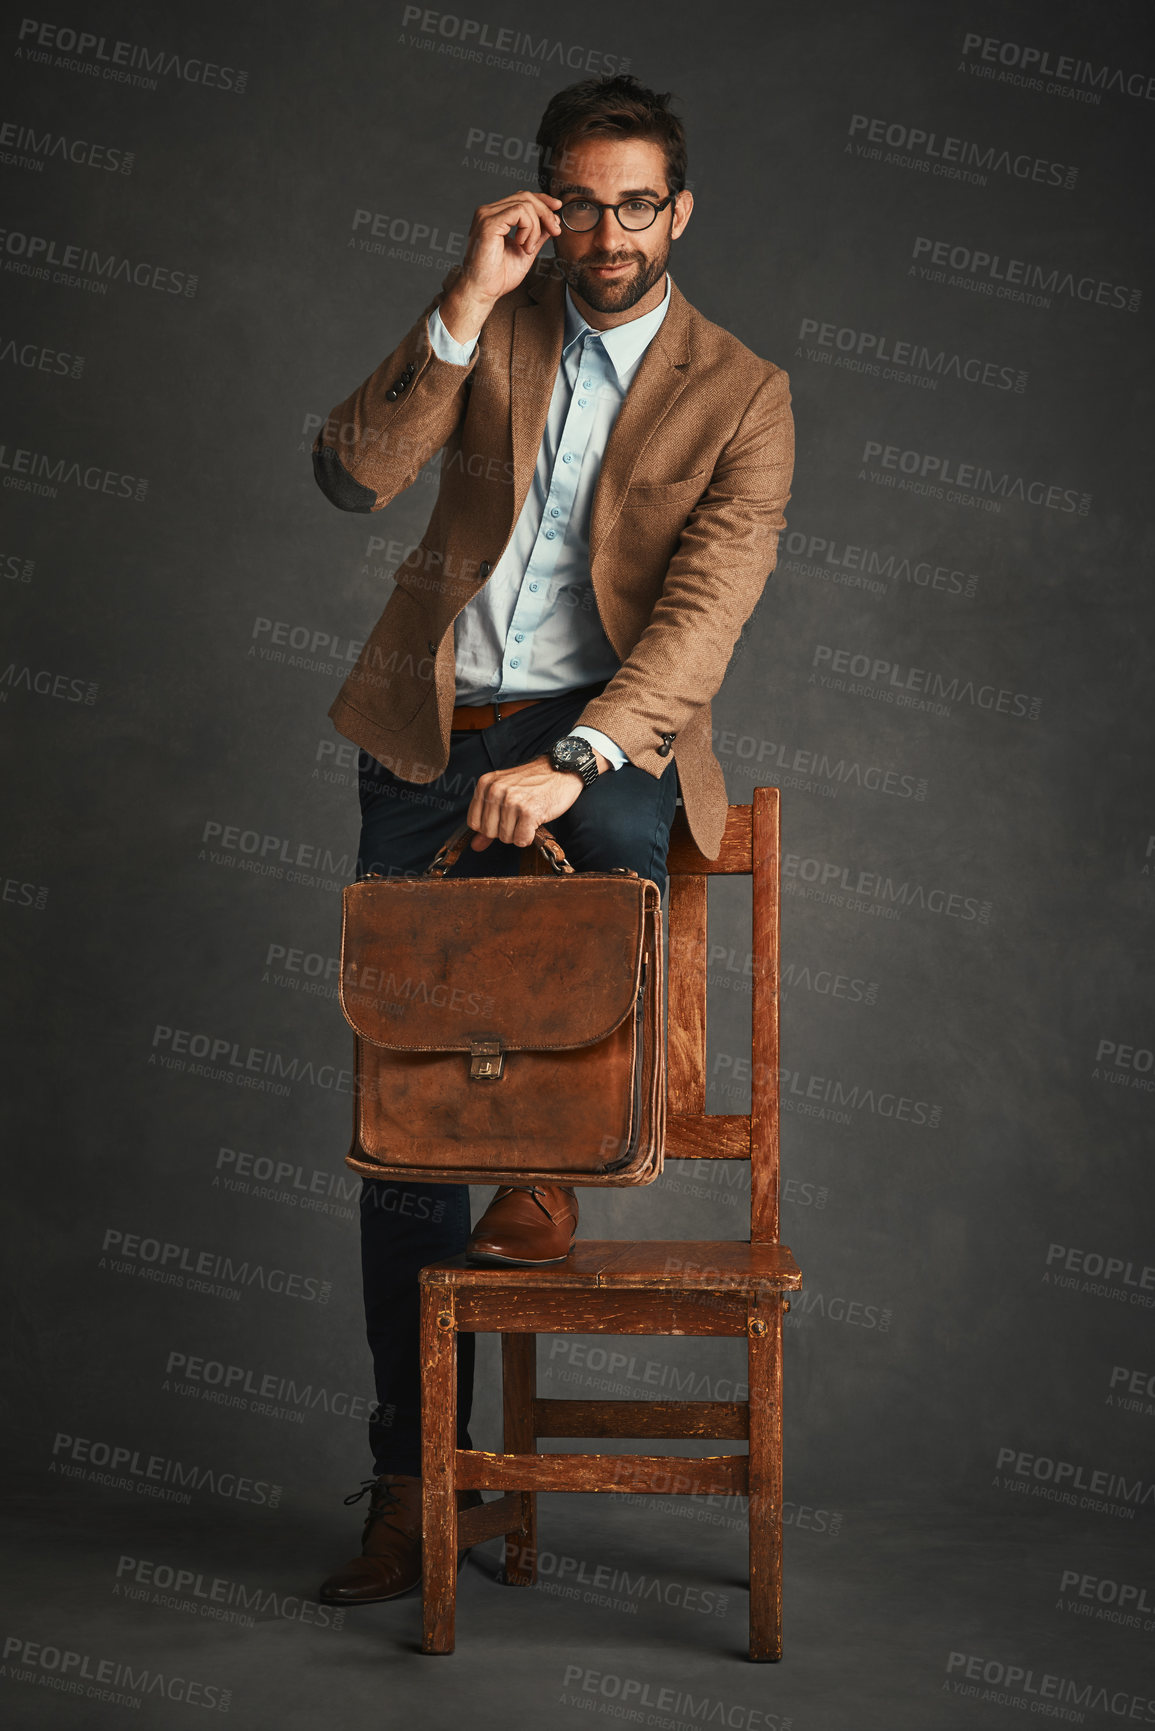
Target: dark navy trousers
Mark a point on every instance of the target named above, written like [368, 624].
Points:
[622, 820]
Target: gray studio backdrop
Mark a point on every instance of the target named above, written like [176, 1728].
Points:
[218, 220]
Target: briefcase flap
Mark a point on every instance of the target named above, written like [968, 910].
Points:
[534, 964]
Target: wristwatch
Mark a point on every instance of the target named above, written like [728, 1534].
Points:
[574, 752]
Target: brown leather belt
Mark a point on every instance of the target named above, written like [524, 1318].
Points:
[466, 715]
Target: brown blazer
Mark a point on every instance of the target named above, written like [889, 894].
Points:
[684, 530]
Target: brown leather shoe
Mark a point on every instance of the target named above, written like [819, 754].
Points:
[390, 1560]
[526, 1225]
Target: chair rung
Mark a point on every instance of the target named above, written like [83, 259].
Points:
[707, 1136]
[661, 1475]
[640, 1418]
[503, 1515]
[596, 1310]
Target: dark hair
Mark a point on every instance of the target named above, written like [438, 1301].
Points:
[617, 105]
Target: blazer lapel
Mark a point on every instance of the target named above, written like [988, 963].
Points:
[661, 378]
[534, 358]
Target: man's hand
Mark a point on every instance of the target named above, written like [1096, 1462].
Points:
[509, 804]
[504, 239]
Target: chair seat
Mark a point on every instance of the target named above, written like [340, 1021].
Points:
[657, 1265]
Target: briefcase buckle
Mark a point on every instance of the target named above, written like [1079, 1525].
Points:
[486, 1060]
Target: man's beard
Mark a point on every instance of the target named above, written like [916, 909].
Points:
[622, 293]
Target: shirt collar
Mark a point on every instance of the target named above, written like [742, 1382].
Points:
[624, 344]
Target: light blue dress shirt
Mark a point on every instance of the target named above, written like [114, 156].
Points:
[534, 629]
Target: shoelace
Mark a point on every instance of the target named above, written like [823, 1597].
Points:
[381, 1500]
[529, 1190]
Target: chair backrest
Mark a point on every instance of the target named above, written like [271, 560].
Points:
[750, 847]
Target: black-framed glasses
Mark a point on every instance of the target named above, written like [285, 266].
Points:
[583, 214]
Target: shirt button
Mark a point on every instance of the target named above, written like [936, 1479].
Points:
[551, 534]
[582, 402]
[515, 662]
[555, 512]
[519, 637]
[568, 458]
[533, 588]
[587, 384]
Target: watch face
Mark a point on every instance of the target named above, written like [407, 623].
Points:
[570, 750]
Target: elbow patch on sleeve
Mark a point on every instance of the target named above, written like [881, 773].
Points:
[337, 483]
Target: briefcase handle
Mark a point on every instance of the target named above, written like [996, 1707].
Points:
[547, 844]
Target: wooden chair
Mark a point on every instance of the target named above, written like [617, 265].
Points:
[626, 1287]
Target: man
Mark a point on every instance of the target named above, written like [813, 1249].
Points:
[613, 479]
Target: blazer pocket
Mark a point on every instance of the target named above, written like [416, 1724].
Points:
[680, 492]
[395, 674]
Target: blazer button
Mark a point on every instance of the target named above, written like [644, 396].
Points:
[484, 569]
[432, 647]
[390, 396]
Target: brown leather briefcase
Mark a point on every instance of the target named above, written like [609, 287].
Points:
[508, 1030]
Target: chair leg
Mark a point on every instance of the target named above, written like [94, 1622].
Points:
[438, 1477]
[519, 1390]
[765, 1383]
